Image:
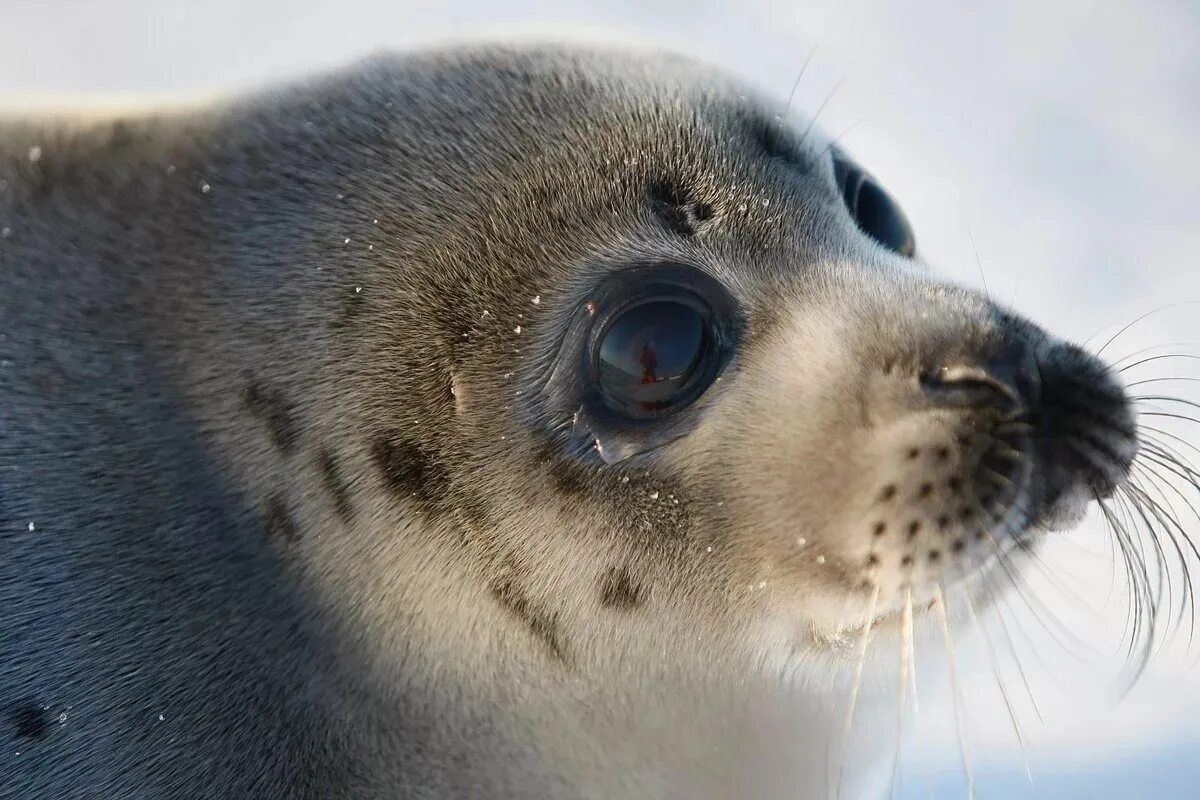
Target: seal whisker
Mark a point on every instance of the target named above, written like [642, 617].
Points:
[861, 660]
[912, 675]
[787, 106]
[1143, 350]
[1148, 359]
[1135, 321]
[1040, 612]
[906, 643]
[995, 664]
[956, 689]
[1012, 648]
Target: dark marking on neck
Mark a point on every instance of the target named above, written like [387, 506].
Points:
[335, 484]
[409, 470]
[29, 720]
[619, 591]
[277, 521]
[541, 623]
[272, 409]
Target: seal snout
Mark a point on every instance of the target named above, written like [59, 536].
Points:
[1001, 439]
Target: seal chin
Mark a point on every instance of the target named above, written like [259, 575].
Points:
[1067, 510]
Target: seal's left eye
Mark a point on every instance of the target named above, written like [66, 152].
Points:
[877, 214]
[655, 356]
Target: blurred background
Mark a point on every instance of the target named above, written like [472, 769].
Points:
[1045, 150]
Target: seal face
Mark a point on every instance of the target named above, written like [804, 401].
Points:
[491, 422]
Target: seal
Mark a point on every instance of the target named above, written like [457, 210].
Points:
[508, 422]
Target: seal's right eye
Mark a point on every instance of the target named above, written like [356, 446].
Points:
[655, 356]
[877, 214]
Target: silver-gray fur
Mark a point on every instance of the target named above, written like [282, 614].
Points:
[289, 505]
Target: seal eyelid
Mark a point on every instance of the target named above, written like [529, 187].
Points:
[875, 212]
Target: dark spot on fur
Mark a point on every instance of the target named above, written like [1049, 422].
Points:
[277, 522]
[568, 478]
[906, 561]
[619, 591]
[954, 485]
[913, 528]
[335, 484]
[677, 209]
[965, 513]
[935, 555]
[958, 545]
[926, 489]
[880, 529]
[872, 560]
[474, 510]
[350, 309]
[541, 623]
[272, 409]
[943, 453]
[943, 521]
[888, 493]
[409, 469]
[29, 721]
[913, 453]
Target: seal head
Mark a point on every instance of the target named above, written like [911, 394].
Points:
[490, 422]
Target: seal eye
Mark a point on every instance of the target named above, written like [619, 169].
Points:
[876, 213]
[655, 356]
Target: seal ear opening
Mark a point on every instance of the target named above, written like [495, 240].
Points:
[875, 212]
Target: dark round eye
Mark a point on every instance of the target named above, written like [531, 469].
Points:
[655, 356]
[876, 213]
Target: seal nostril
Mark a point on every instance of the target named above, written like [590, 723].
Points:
[968, 387]
[1008, 382]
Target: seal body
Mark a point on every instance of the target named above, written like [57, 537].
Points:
[304, 493]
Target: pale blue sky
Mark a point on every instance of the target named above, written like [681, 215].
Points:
[1063, 137]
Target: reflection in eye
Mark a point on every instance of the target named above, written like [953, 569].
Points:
[650, 353]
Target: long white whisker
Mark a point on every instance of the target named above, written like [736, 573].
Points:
[916, 707]
[1012, 715]
[863, 642]
[905, 656]
[964, 748]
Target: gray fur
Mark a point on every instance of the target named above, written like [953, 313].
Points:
[285, 511]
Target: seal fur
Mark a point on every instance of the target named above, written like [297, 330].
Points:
[289, 503]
